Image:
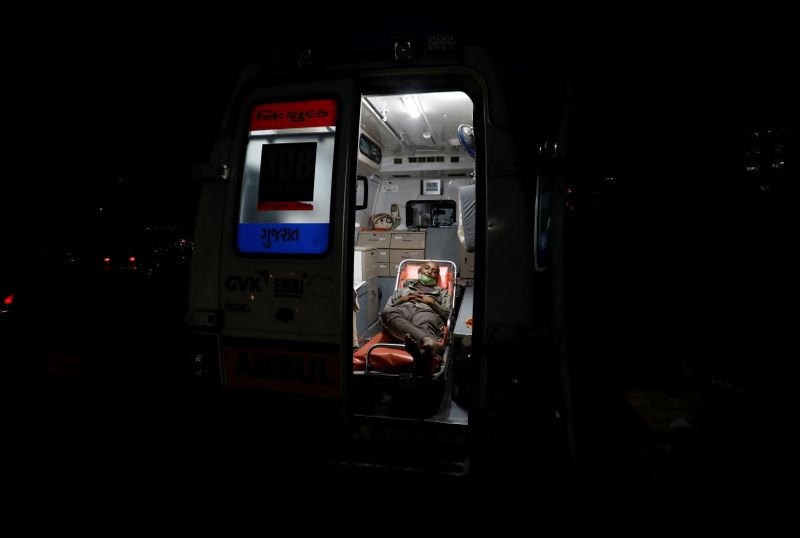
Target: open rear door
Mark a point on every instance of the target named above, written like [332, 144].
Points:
[282, 265]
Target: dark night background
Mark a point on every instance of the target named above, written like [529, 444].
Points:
[677, 268]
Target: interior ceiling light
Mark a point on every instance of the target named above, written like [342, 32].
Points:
[411, 106]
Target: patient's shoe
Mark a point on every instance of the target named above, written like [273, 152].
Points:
[432, 345]
[422, 356]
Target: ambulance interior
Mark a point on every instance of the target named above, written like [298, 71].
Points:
[415, 201]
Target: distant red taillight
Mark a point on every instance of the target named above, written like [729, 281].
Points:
[131, 259]
[9, 299]
[107, 260]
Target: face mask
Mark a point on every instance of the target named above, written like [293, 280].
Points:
[426, 280]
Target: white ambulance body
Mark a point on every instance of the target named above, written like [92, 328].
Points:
[326, 175]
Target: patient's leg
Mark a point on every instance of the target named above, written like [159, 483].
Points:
[432, 353]
[399, 321]
[422, 356]
[419, 329]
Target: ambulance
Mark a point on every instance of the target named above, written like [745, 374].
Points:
[334, 175]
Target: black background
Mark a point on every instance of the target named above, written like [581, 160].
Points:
[138, 94]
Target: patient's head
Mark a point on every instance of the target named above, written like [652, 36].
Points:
[428, 273]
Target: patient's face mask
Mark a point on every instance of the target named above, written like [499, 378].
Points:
[426, 280]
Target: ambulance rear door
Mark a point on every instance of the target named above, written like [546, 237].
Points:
[281, 271]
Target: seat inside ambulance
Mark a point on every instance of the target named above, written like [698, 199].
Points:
[385, 355]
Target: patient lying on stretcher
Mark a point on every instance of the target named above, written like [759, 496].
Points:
[416, 314]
